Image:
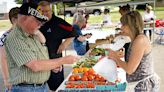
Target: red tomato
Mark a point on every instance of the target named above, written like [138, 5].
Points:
[82, 85]
[98, 76]
[72, 78]
[77, 77]
[97, 79]
[91, 77]
[85, 74]
[69, 86]
[102, 79]
[91, 72]
[101, 83]
[84, 78]
[90, 85]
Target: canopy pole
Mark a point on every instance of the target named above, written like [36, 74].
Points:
[54, 8]
[64, 9]
[65, 51]
[154, 29]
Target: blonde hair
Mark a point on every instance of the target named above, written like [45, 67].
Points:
[135, 22]
[78, 18]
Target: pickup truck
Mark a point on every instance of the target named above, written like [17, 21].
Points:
[69, 11]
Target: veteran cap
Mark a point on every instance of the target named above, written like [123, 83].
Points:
[31, 9]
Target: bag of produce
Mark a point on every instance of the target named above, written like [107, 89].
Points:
[107, 68]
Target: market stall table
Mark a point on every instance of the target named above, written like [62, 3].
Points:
[120, 87]
[98, 34]
[105, 85]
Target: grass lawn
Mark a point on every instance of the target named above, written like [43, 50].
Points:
[115, 16]
[4, 24]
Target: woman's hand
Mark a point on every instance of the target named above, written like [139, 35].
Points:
[113, 54]
[121, 52]
[116, 55]
[7, 84]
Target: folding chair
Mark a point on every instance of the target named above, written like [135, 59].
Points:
[160, 34]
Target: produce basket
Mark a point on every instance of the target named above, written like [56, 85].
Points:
[120, 87]
[117, 87]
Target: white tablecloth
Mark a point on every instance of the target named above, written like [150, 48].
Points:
[98, 34]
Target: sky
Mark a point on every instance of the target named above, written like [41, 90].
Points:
[8, 1]
[10, 4]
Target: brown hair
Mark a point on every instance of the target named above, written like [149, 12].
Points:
[125, 7]
[106, 11]
[13, 13]
[135, 22]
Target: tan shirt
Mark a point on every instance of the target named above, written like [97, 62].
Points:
[20, 49]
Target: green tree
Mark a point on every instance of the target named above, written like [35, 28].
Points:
[19, 1]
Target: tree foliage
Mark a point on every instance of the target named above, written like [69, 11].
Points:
[60, 5]
[19, 1]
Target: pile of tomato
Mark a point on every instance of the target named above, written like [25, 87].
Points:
[86, 78]
[85, 74]
[80, 85]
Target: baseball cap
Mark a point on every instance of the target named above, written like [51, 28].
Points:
[31, 9]
[149, 7]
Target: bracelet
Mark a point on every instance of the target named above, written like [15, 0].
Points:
[106, 52]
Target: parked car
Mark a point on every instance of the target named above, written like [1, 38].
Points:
[69, 11]
[141, 6]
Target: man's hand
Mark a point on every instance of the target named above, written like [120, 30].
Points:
[61, 48]
[88, 36]
[70, 59]
[81, 38]
[65, 44]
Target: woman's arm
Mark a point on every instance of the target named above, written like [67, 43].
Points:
[136, 54]
[4, 66]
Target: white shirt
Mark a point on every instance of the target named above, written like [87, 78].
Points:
[147, 16]
[107, 19]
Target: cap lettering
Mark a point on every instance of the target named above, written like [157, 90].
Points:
[36, 13]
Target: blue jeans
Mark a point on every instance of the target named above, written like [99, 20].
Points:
[30, 88]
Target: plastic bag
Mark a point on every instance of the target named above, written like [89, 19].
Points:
[107, 68]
